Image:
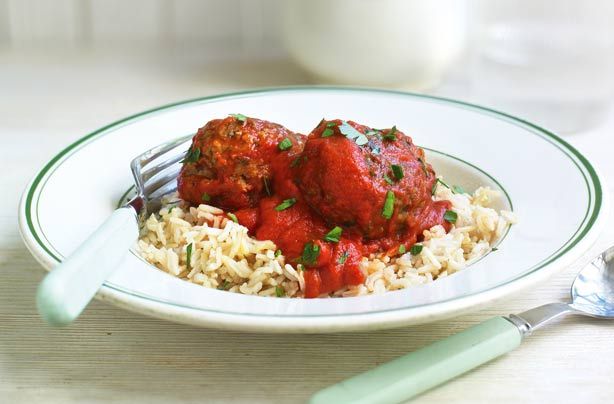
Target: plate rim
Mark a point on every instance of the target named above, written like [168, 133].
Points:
[324, 323]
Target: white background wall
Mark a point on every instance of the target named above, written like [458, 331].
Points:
[229, 27]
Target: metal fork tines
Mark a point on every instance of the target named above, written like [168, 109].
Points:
[155, 173]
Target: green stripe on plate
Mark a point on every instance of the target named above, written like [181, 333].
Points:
[584, 166]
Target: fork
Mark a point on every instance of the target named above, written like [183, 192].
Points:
[70, 286]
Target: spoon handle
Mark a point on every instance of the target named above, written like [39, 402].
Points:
[412, 374]
[70, 286]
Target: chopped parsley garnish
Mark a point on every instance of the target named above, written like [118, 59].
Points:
[450, 216]
[416, 249]
[311, 252]
[277, 253]
[402, 249]
[188, 251]
[438, 181]
[206, 197]
[285, 144]
[391, 134]
[232, 217]
[192, 155]
[361, 140]
[388, 179]
[397, 171]
[343, 258]
[457, 189]
[333, 235]
[348, 130]
[267, 188]
[388, 205]
[224, 286]
[351, 133]
[331, 124]
[285, 204]
[494, 249]
[327, 132]
[239, 117]
[423, 164]
[279, 291]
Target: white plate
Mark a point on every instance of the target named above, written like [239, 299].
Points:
[553, 189]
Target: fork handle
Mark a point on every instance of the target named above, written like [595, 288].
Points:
[70, 286]
[412, 374]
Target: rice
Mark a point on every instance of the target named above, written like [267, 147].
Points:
[224, 256]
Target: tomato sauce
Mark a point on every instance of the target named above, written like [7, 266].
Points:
[337, 264]
[332, 182]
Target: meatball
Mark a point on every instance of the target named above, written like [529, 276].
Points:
[229, 163]
[374, 182]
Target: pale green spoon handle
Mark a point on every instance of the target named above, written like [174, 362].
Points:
[414, 373]
[70, 286]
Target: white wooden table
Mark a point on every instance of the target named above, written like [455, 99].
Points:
[113, 355]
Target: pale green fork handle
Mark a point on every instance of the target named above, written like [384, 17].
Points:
[412, 374]
[70, 286]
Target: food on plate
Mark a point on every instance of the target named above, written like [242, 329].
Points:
[347, 210]
[232, 159]
[374, 167]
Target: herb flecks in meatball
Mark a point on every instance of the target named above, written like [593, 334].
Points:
[375, 182]
[229, 163]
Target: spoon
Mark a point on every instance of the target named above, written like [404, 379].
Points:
[592, 294]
